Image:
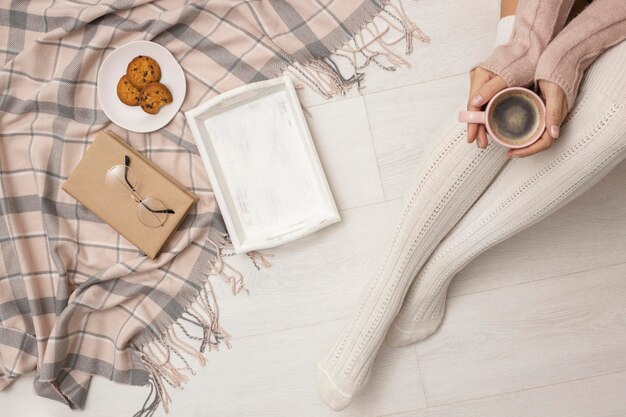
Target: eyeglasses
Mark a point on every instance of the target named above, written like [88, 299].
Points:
[122, 180]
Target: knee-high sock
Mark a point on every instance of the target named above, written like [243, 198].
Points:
[453, 176]
[450, 178]
[592, 142]
[503, 34]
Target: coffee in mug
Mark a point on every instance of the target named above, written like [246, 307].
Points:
[515, 117]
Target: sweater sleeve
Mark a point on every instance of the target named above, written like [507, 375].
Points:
[600, 26]
[536, 23]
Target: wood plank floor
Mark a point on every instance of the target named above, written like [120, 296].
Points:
[535, 326]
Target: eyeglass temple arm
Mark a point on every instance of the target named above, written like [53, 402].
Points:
[126, 166]
[168, 211]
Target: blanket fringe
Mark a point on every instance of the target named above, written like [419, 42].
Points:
[373, 44]
[165, 356]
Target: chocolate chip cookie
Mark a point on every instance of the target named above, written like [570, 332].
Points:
[128, 93]
[154, 96]
[143, 70]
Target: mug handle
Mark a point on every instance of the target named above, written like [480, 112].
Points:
[472, 117]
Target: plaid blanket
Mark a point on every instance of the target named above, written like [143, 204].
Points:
[77, 299]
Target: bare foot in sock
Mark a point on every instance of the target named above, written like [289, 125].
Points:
[336, 393]
[407, 328]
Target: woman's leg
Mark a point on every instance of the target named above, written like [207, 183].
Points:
[451, 177]
[593, 141]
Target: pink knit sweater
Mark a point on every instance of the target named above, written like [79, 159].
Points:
[541, 49]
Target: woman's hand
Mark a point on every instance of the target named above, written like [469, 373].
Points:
[556, 110]
[484, 85]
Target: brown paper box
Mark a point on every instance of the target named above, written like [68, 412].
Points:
[87, 184]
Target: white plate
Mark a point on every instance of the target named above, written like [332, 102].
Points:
[132, 117]
[263, 165]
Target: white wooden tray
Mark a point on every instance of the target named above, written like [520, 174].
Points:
[263, 166]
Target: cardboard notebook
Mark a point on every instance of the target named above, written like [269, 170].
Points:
[87, 184]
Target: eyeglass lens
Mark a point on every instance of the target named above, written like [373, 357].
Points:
[151, 211]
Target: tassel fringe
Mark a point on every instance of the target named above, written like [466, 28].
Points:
[373, 44]
[194, 333]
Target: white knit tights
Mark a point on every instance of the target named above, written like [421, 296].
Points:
[463, 201]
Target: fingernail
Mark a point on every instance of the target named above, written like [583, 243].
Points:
[555, 131]
[477, 100]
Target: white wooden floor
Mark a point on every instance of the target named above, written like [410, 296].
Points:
[535, 327]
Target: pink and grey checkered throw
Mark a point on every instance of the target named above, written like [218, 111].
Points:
[76, 299]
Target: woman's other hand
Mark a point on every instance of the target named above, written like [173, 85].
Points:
[484, 85]
[556, 110]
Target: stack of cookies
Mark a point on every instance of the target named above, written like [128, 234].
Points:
[140, 85]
